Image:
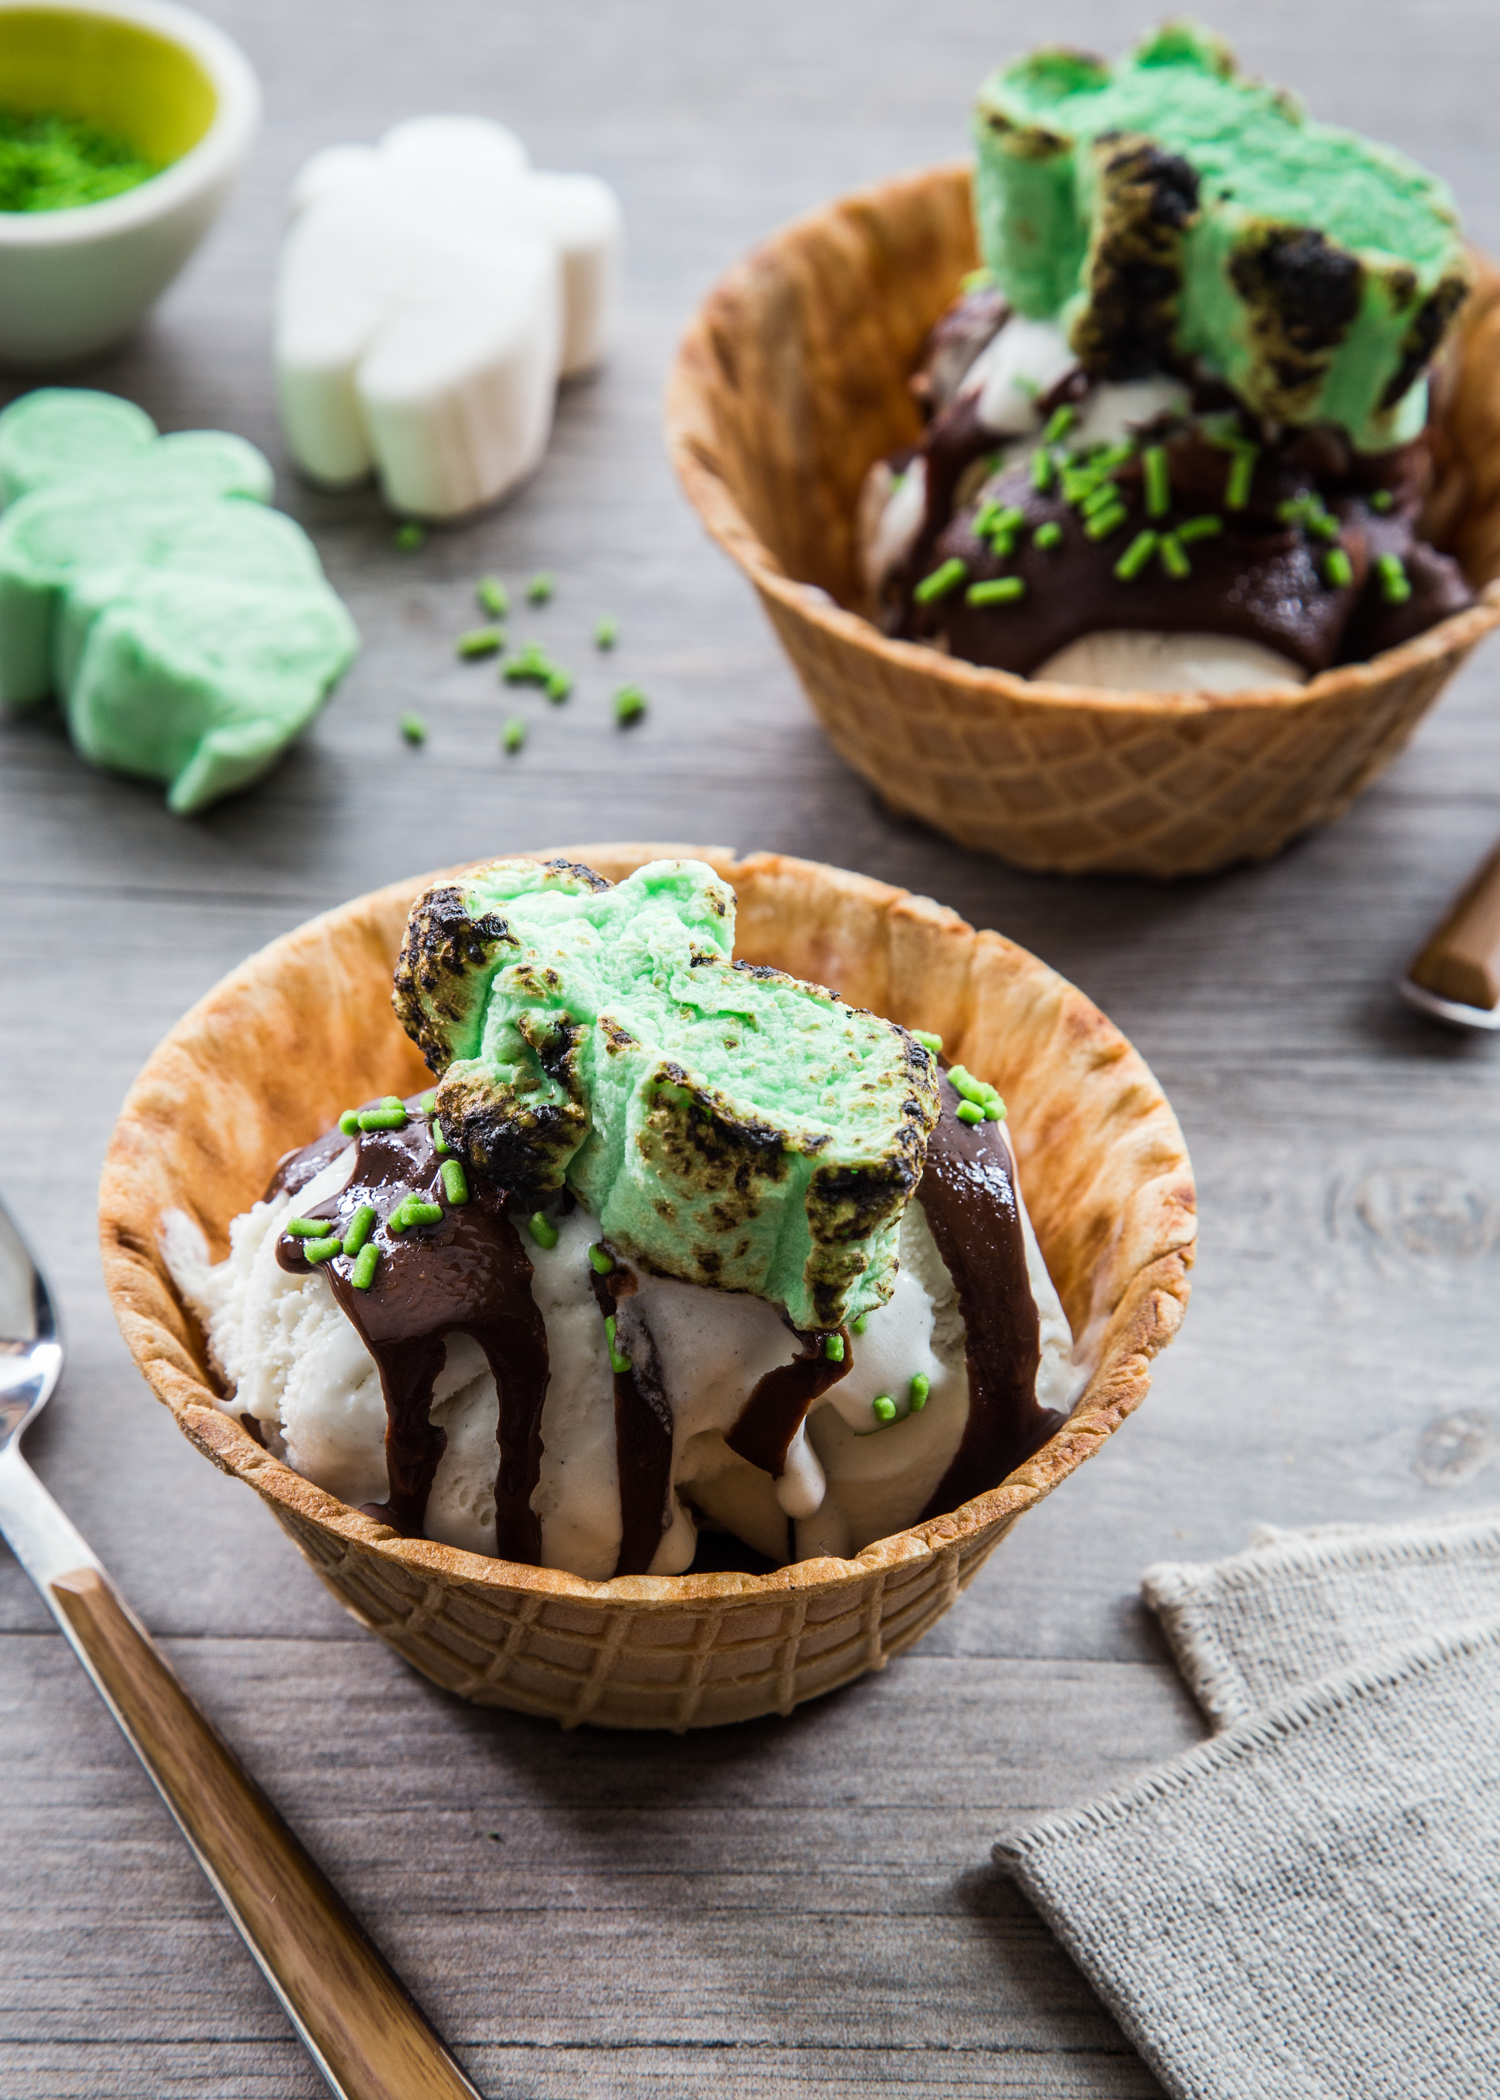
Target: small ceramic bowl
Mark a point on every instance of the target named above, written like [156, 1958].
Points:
[72, 281]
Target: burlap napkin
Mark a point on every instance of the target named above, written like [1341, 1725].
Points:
[1307, 1907]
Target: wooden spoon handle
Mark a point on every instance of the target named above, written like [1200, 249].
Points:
[1461, 960]
[366, 2035]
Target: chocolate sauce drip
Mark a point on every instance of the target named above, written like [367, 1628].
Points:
[643, 1427]
[775, 1411]
[968, 1193]
[467, 1274]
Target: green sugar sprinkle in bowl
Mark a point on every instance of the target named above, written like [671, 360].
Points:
[166, 89]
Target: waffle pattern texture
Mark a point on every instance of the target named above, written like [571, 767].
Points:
[246, 1075]
[792, 379]
[1307, 1905]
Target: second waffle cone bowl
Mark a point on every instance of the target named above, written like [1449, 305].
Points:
[792, 380]
[269, 1058]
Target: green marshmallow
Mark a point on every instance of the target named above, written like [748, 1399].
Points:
[185, 627]
[1172, 205]
[728, 1125]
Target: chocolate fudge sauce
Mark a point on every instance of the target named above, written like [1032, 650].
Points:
[775, 1411]
[643, 1427]
[968, 1192]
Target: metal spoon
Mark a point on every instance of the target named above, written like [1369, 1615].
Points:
[364, 2033]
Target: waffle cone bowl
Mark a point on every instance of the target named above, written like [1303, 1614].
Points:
[269, 1058]
[792, 380]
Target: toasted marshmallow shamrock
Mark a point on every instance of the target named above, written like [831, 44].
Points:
[433, 289]
[185, 627]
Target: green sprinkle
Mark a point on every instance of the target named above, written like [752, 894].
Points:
[429, 1103]
[1394, 586]
[931, 1042]
[974, 279]
[306, 1228]
[390, 1101]
[630, 705]
[540, 588]
[1158, 481]
[480, 641]
[1136, 556]
[414, 1211]
[963, 1083]
[947, 577]
[1241, 471]
[440, 1144]
[994, 1109]
[1322, 524]
[1010, 519]
[455, 1181]
[349, 1121]
[606, 633]
[361, 1225]
[917, 1392]
[513, 735]
[617, 1362]
[601, 1261]
[1173, 560]
[884, 1407]
[414, 729]
[1048, 534]
[1382, 500]
[382, 1118]
[833, 1348]
[322, 1250]
[1059, 423]
[559, 685]
[1078, 483]
[1112, 456]
[999, 590]
[542, 1229]
[1104, 522]
[987, 517]
[970, 1112]
[1043, 470]
[409, 537]
[493, 597]
[1338, 570]
[1100, 499]
[362, 1275]
[1202, 528]
[859, 1323]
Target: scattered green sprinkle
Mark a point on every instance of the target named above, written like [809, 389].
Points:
[1322, 524]
[455, 1181]
[1078, 483]
[513, 735]
[1059, 423]
[997, 590]
[1382, 500]
[540, 588]
[349, 1121]
[1136, 556]
[884, 1407]
[409, 537]
[1158, 481]
[480, 641]
[859, 1323]
[1395, 587]
[931, 1042]
[1048, 534]
[630, 705]
[1201, 528]
[1104, 522]
[1173, 559]
[966, 1086]
[601, 1261]
[493, 597]
[414, 729]
[1338, 570]
[440, 1144]
[1100, 498]
[617, 1362]
[429, 1102]
[918, 1390]
[1112, 455]
[994, 1109]
[306, 1228]
[833, 1348]
[542, 1229]
[362, 1275]
[359, 1228]
[559, 685]
[390, 1101]
[606, 633]
[322, 1250]
[1043, 470]
[970, 1112]
[943, 579]
[414, 1211]
[382, 1118]
[1241, 473]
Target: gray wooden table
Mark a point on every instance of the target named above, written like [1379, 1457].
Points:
[803, 1905]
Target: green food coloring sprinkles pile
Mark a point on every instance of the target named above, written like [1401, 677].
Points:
[50, 163]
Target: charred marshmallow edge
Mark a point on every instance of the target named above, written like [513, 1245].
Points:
[433, 289]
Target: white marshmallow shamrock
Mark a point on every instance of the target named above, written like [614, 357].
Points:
[433, 290]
